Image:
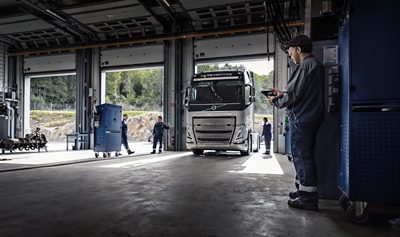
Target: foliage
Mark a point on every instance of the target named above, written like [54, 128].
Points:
[136, 90]
[259, 118]
[58, 90]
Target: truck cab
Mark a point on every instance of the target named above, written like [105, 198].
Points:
[220, 114]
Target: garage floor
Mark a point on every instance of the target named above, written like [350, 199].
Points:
[172, 194]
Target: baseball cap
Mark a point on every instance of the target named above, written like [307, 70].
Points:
[302, 41]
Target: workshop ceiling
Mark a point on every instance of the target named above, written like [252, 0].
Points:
[38, 24]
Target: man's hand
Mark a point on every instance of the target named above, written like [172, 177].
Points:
[270, 98]
[278, 93]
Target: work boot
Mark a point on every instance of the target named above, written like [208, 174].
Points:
[294, 195]
[130, 152]
[299, 204]
[153, 152]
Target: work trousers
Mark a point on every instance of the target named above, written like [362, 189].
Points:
[124, 140]
[267, 141]
[157, 139]
[302, 146]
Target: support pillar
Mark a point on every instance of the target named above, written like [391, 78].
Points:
[280, 80]
[23, 89]
[88, 91]
[179, 67]
[15, 84]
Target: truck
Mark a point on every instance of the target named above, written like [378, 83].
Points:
[220, 112]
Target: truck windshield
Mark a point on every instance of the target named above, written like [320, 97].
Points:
[216, 92]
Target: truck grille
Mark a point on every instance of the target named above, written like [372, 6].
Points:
[214, 130]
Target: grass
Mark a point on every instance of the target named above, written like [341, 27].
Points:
[259, 117]
[44, 116]
[139, 113]
[56, 123]
[59, 118]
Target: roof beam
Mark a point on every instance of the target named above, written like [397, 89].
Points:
[167, 7]
[155, 38]
[59, 19]
[181, 18]
[8, 40]
[147, 4]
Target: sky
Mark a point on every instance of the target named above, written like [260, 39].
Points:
[259, 66]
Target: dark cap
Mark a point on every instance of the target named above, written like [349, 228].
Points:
[302, 41]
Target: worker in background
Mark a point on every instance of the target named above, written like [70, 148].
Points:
[303, 98]
[158, 134]
[266, 133]
[124, 125]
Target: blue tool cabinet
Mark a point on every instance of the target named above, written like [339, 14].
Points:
[370, 108]
[107, 132]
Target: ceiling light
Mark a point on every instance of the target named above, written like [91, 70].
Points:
[55, 15]
[166, 3]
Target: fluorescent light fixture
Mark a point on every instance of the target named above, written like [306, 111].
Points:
[166, 3]
[55, 15]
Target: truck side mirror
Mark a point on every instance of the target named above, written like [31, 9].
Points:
[252, 94]
[186, 101]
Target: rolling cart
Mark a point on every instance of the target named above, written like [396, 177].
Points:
[107, 130]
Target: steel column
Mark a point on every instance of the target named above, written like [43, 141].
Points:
[280, 81]
[88, 90]
[18, 75]
[179, 67]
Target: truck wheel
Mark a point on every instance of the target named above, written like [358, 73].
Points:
[197, 152]
[258, 145]
[246, 153]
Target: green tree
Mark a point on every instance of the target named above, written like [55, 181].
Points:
[136, 89]
[53, 90]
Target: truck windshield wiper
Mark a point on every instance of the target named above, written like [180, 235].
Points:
[214, 91]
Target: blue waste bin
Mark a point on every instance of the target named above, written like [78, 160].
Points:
[107, 130]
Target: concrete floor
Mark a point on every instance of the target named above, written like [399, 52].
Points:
[173, 194]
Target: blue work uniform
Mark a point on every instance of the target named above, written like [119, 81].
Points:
[158, 134]
[305, 105]
[266, 133]
[124, 136]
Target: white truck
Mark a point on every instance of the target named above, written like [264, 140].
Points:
[220, 113]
